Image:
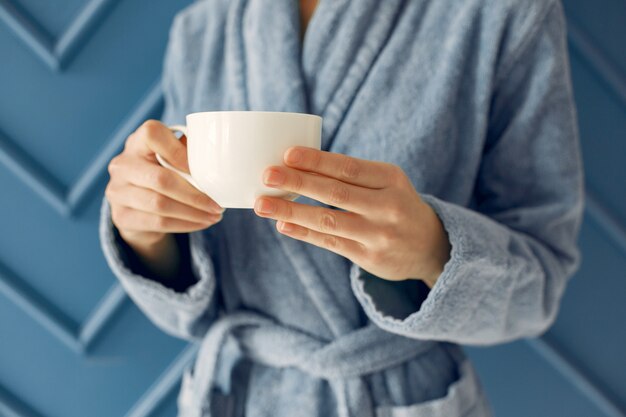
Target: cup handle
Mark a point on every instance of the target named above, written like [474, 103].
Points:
[165, 164]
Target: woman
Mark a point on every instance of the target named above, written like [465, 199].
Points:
[443, 209]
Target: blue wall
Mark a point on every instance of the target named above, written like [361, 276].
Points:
[579, 367]
[76, 76]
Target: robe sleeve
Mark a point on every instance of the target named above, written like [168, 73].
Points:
[512, 256]
[186, 307]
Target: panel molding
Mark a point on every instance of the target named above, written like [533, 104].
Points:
[150, 402]
[76, 336]
[606, 220]
[576, 377]
[606, 70]
[68, 200]
[55, 53]
[11, 406]
[79, 337]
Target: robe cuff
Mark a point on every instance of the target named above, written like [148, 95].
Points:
[166, 306]
[432, 313]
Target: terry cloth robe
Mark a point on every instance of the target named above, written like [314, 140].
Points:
[473, 100]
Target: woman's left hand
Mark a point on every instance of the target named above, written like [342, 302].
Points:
[384, 227]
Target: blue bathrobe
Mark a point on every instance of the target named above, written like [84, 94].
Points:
[473, 100]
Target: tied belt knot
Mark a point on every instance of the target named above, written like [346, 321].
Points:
[342, 362]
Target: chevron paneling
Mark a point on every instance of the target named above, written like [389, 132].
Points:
[55, 53]
[69, 199]
[66, 200]
[147, 405]
[74, 335]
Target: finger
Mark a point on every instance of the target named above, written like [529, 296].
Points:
[361, 172]
[320, 219]
[152, 176]
[140, 221]
[151, 201]
[345, 247]
[318, 187]
[154, 137]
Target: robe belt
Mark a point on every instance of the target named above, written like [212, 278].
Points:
[342, 361]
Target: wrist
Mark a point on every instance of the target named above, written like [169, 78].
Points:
[439, 248]
[157, 252]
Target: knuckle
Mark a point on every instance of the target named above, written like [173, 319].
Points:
[339, 193]
[361, 252]
[114, 165]
[394, 214]
[160, 179]
[198, 199]
[179, 153]
[160, 203]
[287, 210]
[376, 257]
[386, 238]
[161, 223]
[298, 182]
[327, 221]
[330, 242]
[108, 192]
[130, 141]
[316, 160]
[396, 175]
[350, 168]
[119, 216]
[150, 129]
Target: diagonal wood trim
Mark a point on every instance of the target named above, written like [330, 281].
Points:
[96, 168]
[164, 385]
[146, 406]
[607, 221]
[67, 201]
[10, 406]
[75, 336]
[576, 377]
[101, 316]
[607, 71]
[55, 53]
[31, 33]
[40, 309]
[33, 175]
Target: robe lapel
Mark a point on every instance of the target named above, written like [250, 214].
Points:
[271, 71]
[264, 44]
[343, 40]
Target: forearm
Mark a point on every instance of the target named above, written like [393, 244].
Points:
[161, 257]
[185, 305]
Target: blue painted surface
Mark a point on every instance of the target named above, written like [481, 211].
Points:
[70, 343]
[77, 76]
[588, 377]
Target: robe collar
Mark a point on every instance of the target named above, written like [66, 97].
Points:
[272, 70]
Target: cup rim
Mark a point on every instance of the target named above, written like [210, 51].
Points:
[198, 113]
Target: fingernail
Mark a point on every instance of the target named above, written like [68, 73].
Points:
[285, 227]
[293, 156]
[273, 177]
[263, 206]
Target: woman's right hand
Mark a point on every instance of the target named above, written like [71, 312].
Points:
[149, 202]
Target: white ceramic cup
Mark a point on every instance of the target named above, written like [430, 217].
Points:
[229, 150]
